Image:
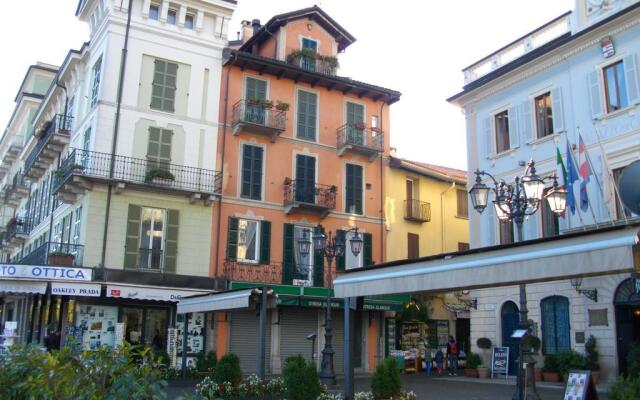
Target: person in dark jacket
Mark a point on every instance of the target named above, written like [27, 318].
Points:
[452, 356]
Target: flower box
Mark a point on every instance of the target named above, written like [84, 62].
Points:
[60, 259]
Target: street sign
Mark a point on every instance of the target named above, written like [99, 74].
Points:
[500, 361]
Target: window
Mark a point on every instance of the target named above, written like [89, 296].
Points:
[151, 238]
[188, 21]
[353, 203]
[159, 148]
[309, 44]
[544, 115]
[248, 240]
[355, 118]
[172, 15]
[305, 179]
[307, 115]
[462, 246]
[309, 63]
[506, 232]
[163, 93]
[556, 334]
[351, 260]
[251, 182]
[619, 207]
[413, 246]
[463, 204]
[550, 221]
[154, 11]
[615, 87]
[501, 123]
[304, 263]
[255, 89]
[77, 226]
[96, 82]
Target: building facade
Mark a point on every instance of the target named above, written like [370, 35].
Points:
[573, 78]
[298, 146]
[117, 176]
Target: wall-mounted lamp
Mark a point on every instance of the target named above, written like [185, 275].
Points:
[591, 294]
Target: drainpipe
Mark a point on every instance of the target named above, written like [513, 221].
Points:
[453, 185]
[224, 140]
[382, 225]
[114, 141]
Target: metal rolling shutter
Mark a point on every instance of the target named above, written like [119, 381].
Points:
[337, 321]
[295, 325]
[244, 340]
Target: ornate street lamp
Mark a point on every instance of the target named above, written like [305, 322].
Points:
[330, 246]
[514, 202]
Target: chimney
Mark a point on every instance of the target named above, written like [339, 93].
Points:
[256, 25]
[247, 32]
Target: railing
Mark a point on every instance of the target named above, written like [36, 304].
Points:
[16, 226]
[135, 170]
[18, 182]
[40, 256]
[253, 112]
[61, 125]
[236, 271]
[150, 260]
[417, 210]
[360, 136]
[300, 191]
[309, 61]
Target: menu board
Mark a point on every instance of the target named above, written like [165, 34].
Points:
[500, 361]
[195, 333]
[442, 330]
[580, 386]
[98, 325]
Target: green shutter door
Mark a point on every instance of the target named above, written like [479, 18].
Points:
[307, 103]
[340, 261]
[367, 248]
[265, 242]
[171, 242]
[355, 115]
[132, 239]
[305, 179]
[288, 259]
[255, 89]
[354, 189]
[232, 239]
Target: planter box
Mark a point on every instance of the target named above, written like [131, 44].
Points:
[62, 260]
[551, 376]
[161, 181]
[483, 373]
[471, 373]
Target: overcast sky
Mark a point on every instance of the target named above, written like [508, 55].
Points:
[415, 47]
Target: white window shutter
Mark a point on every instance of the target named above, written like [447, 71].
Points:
[631, 75]
[489, 232]
[486, 141]
[557, 110]
[594, 94]
[528, 134]
[514, 137]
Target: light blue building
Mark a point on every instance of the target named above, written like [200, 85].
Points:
[576, 75]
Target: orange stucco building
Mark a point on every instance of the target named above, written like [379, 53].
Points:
[298, 146]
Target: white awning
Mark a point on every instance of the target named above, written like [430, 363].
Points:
[23, 287]
[150, 292]
[216, 302]
[599, 253]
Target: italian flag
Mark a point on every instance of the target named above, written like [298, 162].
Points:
[561, 170]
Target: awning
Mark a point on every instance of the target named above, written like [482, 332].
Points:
[216, 302]
[23, 287]
[150, 293]
[586, 254]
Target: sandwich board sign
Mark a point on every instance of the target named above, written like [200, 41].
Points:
[580, 386]
[500, 361]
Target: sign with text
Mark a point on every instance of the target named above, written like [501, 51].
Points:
[580, 386]
[23, 287]
[75, 289]
[500, 361]
[148, 293]
[45, 272]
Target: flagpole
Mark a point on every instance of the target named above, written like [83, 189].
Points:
[605, 163]
[593, 172]
[584, 228]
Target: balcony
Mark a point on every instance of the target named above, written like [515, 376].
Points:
[51, 253]
[235, 271]
[16, 233]
[16, 190]
[52, 140]
[302, 196]
[251, 116]
[10, 155]
[311, 61]
[417, 211]
[81, 168]
[359, 139]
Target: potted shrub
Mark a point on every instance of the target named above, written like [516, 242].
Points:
[592, 359]
[159, 176]
[60, 258]
[473, 362]
[282, 106]
[568, 360]
[301, 380]
[550, 371]
[386, 382]
[267, 104]
[483, 371]
[228, 370]
[206, 363]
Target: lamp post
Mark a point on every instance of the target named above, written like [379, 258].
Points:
[514, 202]
[330, 246]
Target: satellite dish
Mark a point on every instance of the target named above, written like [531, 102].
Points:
[629, 186]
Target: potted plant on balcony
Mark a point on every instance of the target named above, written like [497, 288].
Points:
[331, 63]
[281, 106]
[159, 176]
[60, 258]
[296, 55]
[253, 101]
[267, 104]
[361, 125]
[77, 168]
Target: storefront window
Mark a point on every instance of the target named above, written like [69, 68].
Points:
[155, 329]
[96, 326]
[133, 318]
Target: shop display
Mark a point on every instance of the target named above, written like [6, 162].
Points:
[97, 325]
[195, 334]
[414, 335]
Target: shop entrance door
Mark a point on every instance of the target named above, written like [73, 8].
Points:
[146, 326]
[510, 321]
[463, 334]
[627, 306]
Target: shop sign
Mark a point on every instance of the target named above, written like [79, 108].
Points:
[500, 361]
[45, 272]
[147, 293]
[75, 289]
[23, 287]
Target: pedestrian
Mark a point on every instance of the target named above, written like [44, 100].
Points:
[452, 356]
[439, 361]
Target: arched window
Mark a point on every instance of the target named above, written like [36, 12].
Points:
[556, 331]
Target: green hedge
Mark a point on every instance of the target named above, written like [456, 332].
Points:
[301, 380]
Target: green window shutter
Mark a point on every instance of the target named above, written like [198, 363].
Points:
[255, 89]
[318, 269]
[340, 261]
[132, 239]
[171, 241]
[367, 248]
[288, 260]
[306, 115]
[265, 242]
[232, 239]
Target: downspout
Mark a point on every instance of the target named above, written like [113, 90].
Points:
[116, 126]
[453, 185]
[382, 214]
[51, 202]
[224, 141]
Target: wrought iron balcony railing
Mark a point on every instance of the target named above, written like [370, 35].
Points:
[16, 229]
[361, 139]
[148, 173]
[16, 190]
[150, 260]
[309, 196]
[236, 271]
[318, 64]
[58, 127]
[254, 116]
[416, 210]
[40, 256]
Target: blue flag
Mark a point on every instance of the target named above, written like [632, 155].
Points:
[572, 176]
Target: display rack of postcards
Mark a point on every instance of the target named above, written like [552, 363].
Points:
[195, 336]
[413, 335]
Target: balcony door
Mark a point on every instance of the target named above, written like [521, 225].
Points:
[255, 92]
[151, 239]
[409, 194]
[355, 116]
[309, 63]
[305, 179]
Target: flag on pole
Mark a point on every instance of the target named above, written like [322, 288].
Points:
[572, 176]
[585, 173]
[561, 170]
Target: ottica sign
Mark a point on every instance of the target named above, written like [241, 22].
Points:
[44, 272]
